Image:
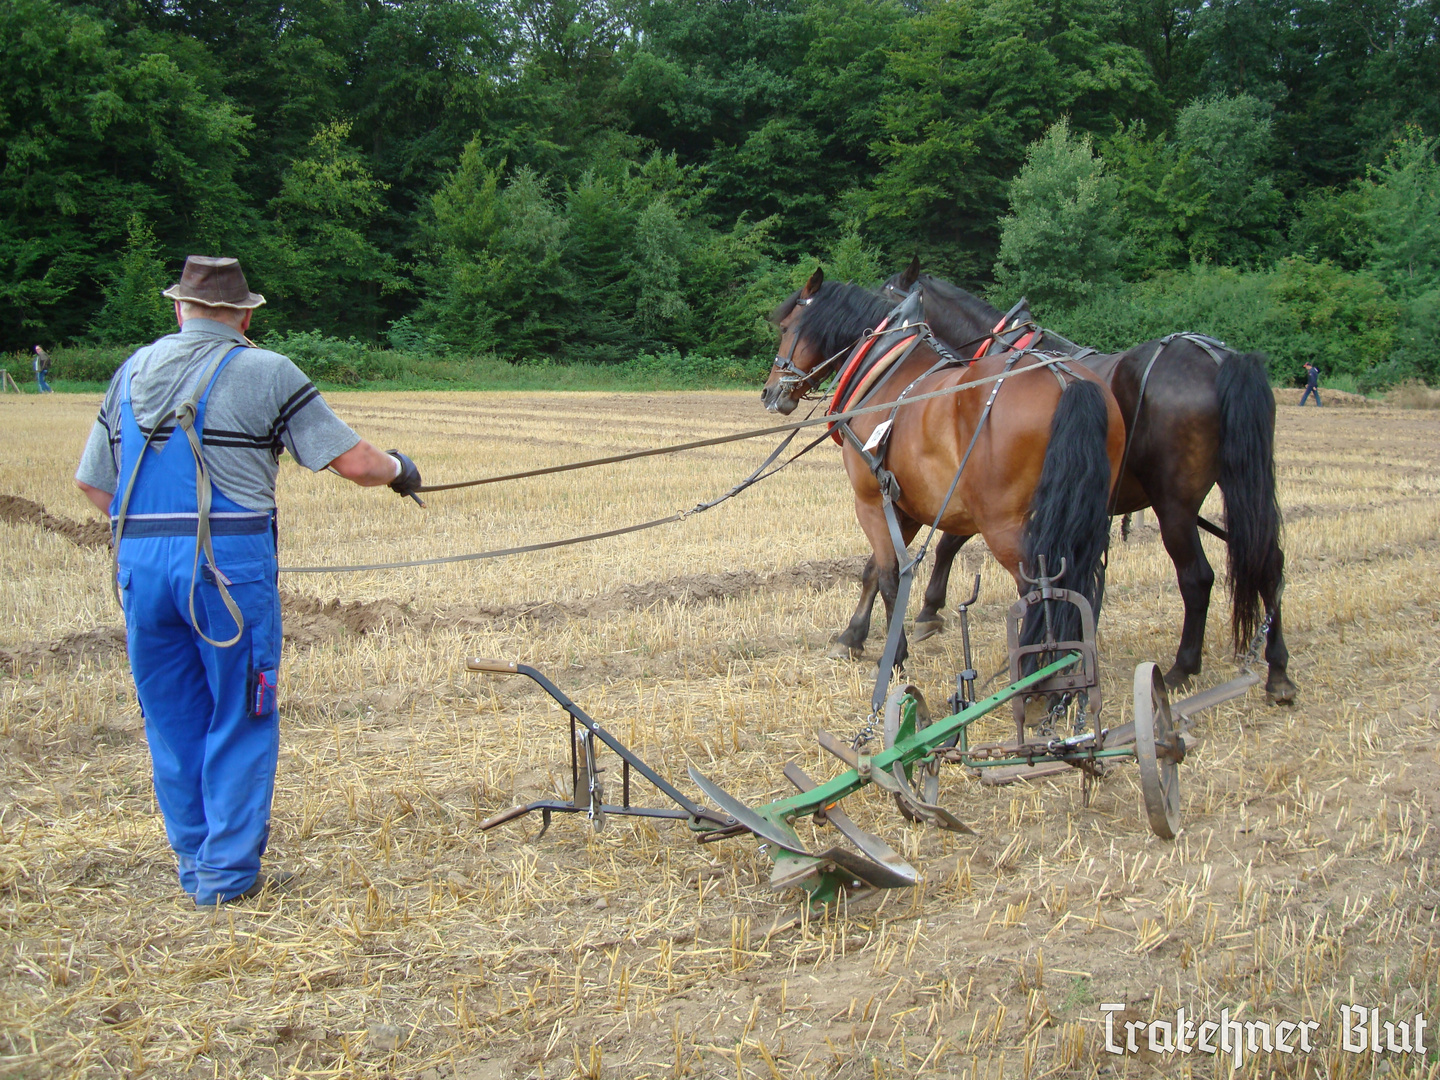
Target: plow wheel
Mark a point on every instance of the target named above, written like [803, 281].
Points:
[904, 718]
[1159, 749]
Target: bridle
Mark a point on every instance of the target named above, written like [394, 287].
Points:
[792, 379]
[790, 375]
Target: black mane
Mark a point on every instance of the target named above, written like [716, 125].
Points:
[981, 311]
[959, 317]
[836, 316]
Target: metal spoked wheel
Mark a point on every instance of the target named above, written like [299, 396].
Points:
[897, 727]
[1159, 750]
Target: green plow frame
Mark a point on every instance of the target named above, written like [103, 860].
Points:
[823, 875]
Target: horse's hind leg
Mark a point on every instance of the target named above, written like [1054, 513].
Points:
[930, 622]
[1278, 686]
[850, 643]
[1181, 534]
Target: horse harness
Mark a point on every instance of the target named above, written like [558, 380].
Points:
[1015, 326]
[888, 347]
[1211, 346]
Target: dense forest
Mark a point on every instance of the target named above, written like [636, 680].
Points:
[581, 180]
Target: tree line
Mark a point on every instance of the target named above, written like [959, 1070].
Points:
[585, 180]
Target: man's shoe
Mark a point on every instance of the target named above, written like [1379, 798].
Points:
[273, 882]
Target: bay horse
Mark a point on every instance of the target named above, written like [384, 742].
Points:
[1208, 416]
[1038, 479]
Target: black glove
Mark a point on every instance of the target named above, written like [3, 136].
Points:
[408, 482]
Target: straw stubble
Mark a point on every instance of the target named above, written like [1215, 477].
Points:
[414, 945]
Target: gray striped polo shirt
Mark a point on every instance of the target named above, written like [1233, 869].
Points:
[261, 406]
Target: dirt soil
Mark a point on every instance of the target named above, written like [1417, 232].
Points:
[411, 944]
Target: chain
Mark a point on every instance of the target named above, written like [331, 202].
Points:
[1252, 656]
[866, 733]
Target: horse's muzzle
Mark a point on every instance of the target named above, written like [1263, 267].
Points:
[777, 399]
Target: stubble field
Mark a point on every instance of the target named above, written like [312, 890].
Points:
[413, 945]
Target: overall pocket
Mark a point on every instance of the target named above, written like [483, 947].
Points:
[252, 585]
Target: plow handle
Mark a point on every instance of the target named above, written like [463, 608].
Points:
[495, 667]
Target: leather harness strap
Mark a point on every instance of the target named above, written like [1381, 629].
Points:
[890, 492]
[1209, 344]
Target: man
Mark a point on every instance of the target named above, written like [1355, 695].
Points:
[1312, 384]
[42, 368]
[183, 458]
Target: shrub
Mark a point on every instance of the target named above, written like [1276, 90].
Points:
[1300, 311]
[1413, 394]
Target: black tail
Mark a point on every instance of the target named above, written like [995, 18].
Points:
[1069, 515]
[1247, 480]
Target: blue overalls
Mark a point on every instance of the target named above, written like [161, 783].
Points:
[198, 579]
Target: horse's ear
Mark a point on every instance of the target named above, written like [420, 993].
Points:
[813, 285]
[912, 273]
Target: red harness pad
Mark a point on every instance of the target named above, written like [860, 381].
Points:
[842, 385]
[870, 378]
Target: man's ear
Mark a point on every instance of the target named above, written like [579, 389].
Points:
[813, 285]
[245, 322]
[179, 319]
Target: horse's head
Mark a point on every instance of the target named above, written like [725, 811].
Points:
[897, 287]
[798, 355]
[819, 325]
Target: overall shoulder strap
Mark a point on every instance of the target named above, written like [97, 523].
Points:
[185, 420]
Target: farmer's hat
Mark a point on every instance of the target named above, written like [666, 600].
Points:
[214, 283]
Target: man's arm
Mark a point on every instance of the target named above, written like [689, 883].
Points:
[100, 497]
[364, 465]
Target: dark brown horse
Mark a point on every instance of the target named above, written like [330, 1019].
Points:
[1038, 480]
[1208, 416]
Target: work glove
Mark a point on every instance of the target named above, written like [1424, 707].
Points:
[408, 481]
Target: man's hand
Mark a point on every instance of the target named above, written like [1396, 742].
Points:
[407, 481]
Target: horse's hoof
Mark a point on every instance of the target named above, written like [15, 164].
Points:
[1280, 690]
[1177, 679]
[927, 628]
[841, 651]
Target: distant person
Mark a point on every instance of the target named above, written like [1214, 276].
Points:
[195, 564]
[42, 368]
[1312, 384]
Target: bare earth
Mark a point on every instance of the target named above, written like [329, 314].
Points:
[412, 945]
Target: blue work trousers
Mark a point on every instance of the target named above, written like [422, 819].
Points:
[214, 758]
[1311, 390]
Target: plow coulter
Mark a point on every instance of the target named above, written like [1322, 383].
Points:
[906, 761]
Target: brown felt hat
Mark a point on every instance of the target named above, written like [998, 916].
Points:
[214, 283]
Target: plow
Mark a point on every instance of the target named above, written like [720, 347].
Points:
[901, 750]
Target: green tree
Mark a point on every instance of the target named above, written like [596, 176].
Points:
[975, 81]
[852, 259]
[1158, 197]
[1402, 200]
[134, 312]
[321, 262]
[1403, 214]
[1226, 147]
[97, 126]
[1059, 243]
[492, 274]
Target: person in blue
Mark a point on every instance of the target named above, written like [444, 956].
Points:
[1312, 384]
[183, 458]
[42, 369]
